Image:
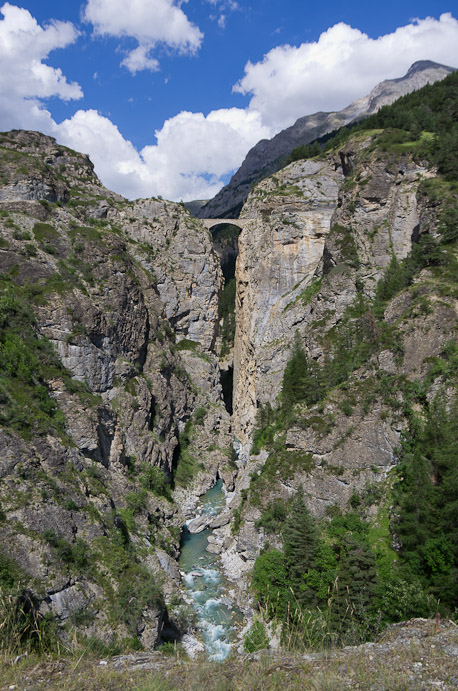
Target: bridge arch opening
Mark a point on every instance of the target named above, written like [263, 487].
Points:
[225, 238]
[213, 222]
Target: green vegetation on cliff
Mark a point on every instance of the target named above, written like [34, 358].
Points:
[360, 569]
[321, 583]
[27, 363]
[423, 123]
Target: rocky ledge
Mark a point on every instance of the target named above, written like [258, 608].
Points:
[416, 654]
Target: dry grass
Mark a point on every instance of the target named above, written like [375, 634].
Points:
[409, 657]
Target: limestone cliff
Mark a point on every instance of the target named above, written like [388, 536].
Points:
[321, 234]
[266, 156]
[280, 250]
[125, 294]
[295, 273]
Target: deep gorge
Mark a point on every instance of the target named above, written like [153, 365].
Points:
[306, 364]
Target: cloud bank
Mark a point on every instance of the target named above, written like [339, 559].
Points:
[24, 78]
[190, 155]
[341, 66]
[150, 22]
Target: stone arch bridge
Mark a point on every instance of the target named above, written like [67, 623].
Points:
[212, 222]
[299, 216]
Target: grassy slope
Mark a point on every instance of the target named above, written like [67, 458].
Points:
[413, 656]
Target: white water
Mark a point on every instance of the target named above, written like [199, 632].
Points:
[216, 622]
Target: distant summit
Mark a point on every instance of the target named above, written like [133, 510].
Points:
[195, 206]
[266, 156]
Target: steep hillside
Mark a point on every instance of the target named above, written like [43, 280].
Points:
[339, 507]
[109, 391]
[266, 157]
[345, 376]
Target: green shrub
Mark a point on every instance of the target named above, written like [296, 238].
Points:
[448, 226]
[187, 344]
[273, 516]
[399, 599]
[10, 573]
[153, 479]
[136, 501]
[76, 554]
[347, 245]
[199, 415]
[23, 629]
[269, 581]
[185, 465]
[255, 638]
[43, 232]
[303, 152]
[137, 590]
[85, 233]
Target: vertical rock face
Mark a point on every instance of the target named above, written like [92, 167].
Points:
[317, 230]
[188, 273]
[280, 250]
[320, 235]
[126, 296]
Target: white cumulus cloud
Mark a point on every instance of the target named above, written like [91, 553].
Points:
[150, 22]
[140, 59]
[342, 65]
[24, 45]
[190, 155]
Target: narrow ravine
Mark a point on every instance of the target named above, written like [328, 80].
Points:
[206, 586]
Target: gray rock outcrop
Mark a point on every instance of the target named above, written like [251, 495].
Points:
[266, 156]
[119, 290]
[320, 235]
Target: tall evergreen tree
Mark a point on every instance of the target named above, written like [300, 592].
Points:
[302, 380]
[356, 581]
[300, 542]
[415, 506]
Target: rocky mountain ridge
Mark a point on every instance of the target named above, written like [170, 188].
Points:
[112, 285]
[265, 158]
[111, 398]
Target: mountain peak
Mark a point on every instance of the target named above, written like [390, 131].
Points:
[421, 65]
[267, 155]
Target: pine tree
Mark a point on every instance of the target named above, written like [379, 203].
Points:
[302, 379]
[356, 581]
[300, 542]
[427, 497]
[292, 377]
[415, 505]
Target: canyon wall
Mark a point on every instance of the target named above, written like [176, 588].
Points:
[111, 405]
[322, 233]
[280, 250]
[126, 294]
[317, 228]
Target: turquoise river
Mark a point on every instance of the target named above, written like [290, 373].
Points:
[206, 585]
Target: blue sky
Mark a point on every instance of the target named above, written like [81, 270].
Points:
[208, 77]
